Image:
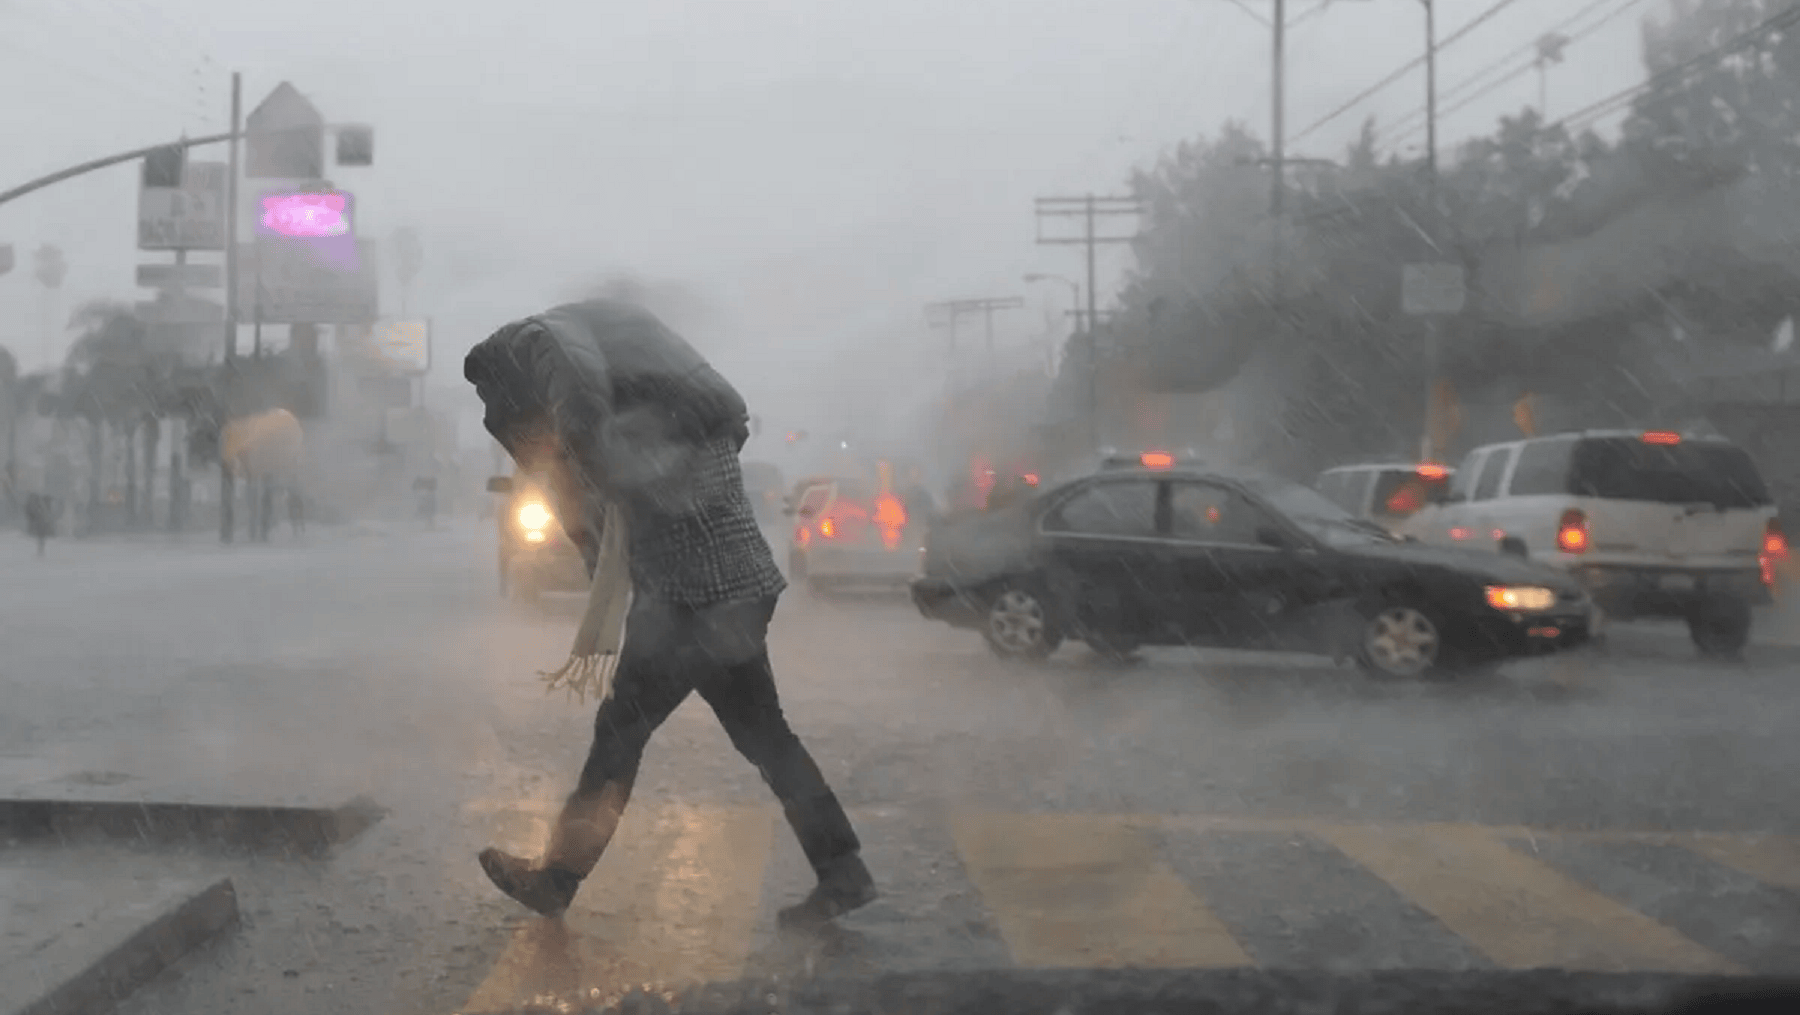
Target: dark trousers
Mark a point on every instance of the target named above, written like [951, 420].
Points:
[721, 652]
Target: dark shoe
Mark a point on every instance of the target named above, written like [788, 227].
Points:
[847, 885]
[546, 892]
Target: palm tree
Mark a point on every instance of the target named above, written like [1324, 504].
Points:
[107, 381]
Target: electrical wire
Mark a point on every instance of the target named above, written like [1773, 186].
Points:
[1400, 72]
[1619, 100]
[1412, 122]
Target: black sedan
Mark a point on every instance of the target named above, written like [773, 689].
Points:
[1191, 556]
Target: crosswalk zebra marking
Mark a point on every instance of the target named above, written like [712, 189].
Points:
[1521, 913]
[1074, 890]
[675, 901]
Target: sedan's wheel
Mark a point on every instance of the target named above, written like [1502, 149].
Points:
[1400, 641]
[1020, 626]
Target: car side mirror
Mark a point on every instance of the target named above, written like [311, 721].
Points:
[805, 512]
[500, 484]
[1269, 535]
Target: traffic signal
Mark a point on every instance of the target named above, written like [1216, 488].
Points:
[162, 167]
[355, 146]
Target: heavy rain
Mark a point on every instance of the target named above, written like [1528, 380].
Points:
[943, 506]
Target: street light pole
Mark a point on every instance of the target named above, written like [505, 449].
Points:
[226, 491]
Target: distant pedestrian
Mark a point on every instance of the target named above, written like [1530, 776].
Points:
[40, 518]
[639, 437]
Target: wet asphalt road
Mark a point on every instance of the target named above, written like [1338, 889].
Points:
[1597, 812]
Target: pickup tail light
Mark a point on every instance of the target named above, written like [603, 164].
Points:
[828, 528]
[1774, 550]
[1572, 531]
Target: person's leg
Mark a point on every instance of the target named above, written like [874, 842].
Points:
[749, 708]
[653, 678]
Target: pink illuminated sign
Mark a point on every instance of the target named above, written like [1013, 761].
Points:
[306, 215]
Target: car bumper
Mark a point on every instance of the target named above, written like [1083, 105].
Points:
[1512, 635]
[550, 570]
[1625, 592]
[863, 564]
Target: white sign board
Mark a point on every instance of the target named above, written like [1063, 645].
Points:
[189, 217]
[288, 282]
[1432, 289]
[404, 346]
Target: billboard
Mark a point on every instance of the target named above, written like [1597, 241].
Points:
[284, 281]
[188, 217]
[404, 346]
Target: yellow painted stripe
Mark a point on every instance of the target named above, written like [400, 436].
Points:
[675, 901]
[1772, 859]
[1076, 890]
[1521, 913]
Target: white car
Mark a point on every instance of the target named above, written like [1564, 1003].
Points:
[1386, 494]
[845, 535]
[1654, 524]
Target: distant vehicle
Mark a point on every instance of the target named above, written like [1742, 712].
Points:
[1166, 554]
[1653, 523]
[1387, 494]
[848, 533]
[536, 555]
[764, 483]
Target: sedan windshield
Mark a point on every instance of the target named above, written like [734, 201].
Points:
[1321, 518]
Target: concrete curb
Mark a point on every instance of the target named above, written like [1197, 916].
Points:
[143, 955]
[311, 831]
[1266, 992]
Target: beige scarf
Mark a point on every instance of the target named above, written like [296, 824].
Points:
[595, 657]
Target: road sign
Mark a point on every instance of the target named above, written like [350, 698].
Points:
[404, 346]
[284, 137]
[295, 282]
[1432, 289]
[170, 276]
[188, 217]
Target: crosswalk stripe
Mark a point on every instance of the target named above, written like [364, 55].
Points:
[674, 901]
[1771, 859]
[1521, 913]
[1077, 890]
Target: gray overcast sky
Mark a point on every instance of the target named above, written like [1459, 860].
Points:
[813, 169]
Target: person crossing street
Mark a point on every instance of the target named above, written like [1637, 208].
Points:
[639, 437]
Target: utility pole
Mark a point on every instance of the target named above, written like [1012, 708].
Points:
[1431, 166]
[226, 491]
[950, 311]
[1088, 208]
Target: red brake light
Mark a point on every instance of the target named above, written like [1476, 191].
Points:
[1460, 533]
[1031, 479]
[1431, 470]
[1661, 437]
[827, 528]
[1572, 532]
[1774, 550]
[1157, 460]
[890, 517]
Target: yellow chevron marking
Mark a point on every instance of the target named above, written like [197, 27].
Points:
[1521, 913]
[1075, 890]
[1772, 859]
[674, 901]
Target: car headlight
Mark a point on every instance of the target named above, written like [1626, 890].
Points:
[534, 517]
[1520, 598]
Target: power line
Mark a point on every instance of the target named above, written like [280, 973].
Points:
[1401, 72]
[1620, 99]
[1406, 126]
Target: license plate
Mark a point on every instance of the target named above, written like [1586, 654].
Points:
[1677, 583]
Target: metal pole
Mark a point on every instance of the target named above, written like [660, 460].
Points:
[1431, 166]
[1278, 102]
[1093, 332]
[226, 492]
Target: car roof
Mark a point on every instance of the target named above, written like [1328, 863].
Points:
[1383, 466]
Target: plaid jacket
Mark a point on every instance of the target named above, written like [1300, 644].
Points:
[694, 537]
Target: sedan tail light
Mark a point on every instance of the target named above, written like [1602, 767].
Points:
[1572, 532]
[1774, 550]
